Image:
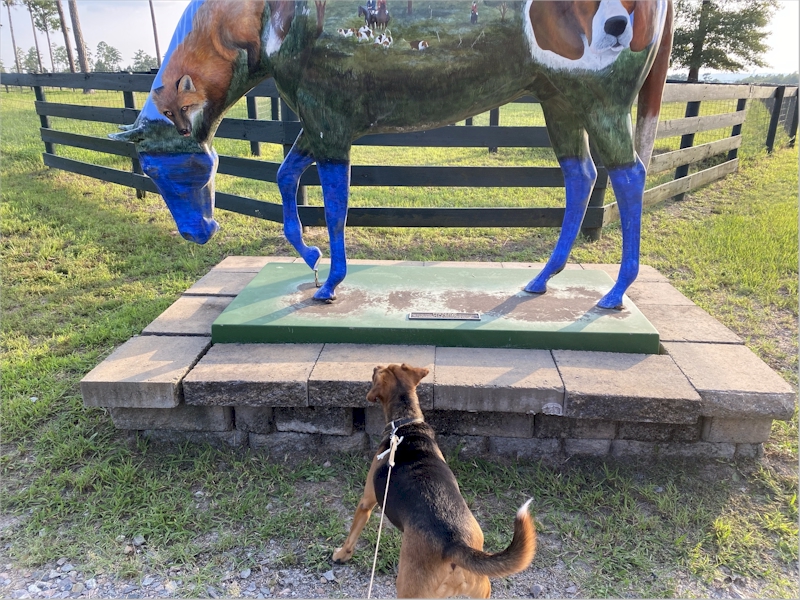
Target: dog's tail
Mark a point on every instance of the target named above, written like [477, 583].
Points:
[513, 559]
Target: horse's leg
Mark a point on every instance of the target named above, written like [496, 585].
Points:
[334, 175]
[628, 183]
[572, 150]
[289, 173]
[611, 135]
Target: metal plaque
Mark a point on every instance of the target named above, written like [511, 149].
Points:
[444, 316]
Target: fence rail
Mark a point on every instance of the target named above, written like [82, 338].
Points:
[282, 128]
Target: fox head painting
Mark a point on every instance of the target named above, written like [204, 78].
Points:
[375, 72]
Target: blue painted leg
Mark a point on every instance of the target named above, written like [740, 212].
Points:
[289, 173]
[579, 177]
[335, 178]
[628, 183]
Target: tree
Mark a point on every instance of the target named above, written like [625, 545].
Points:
[79, 43]
[142, 62]
[31, 62]
[155, 34]
[61, 58]
[65, 30]
[9, 4]
[725, 35]
[108, 58]
[19, 59]
[28, 4]
[44, 17]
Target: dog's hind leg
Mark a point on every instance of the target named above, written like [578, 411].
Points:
[288, 179]
[363, 512]
[335, 178]
[572, 149]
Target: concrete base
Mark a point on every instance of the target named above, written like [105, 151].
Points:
[703, 395]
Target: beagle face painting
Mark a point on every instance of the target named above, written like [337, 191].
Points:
[585, 34]
[584, 60]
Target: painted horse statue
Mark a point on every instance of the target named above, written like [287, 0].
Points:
[585, 61]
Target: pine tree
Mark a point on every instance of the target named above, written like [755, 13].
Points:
[9, 4]
[65, 30]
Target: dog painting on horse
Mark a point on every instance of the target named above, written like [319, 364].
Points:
[585, 62]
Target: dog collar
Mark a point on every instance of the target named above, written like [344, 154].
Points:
[393, 426]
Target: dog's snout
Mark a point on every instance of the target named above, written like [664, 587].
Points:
[615, 26]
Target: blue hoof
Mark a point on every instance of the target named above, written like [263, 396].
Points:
[536, 286]
[611, 300]
[312, 257]
[325, 294]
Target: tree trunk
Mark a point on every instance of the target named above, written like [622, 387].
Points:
[36, 42]
[65, 30]
[155, 34]
[79, 43]
[13, 40]
[698, 43]
[410, 7]
[50, 49]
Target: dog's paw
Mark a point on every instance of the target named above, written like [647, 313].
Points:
[341, 555]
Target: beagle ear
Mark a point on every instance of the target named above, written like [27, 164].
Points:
[557, 29]
[644, 24]
[416, 374]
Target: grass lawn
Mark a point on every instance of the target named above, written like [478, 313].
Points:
[86, 265]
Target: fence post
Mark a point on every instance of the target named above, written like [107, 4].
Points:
[775, 117]
[793, 123]
[741, 105]
[273, 105]
[687, 141]
[44, 120]
[596, 200]
[494, 121]
[287, 116]
[252, 113]
[130, 102]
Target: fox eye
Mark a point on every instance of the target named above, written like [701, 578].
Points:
[184, 108]
[168, 113]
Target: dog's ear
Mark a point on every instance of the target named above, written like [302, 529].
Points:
[374, 393]
[417, 374]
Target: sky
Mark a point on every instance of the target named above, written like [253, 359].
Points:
[126, 25]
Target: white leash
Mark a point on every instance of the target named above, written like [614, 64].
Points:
[394, 441]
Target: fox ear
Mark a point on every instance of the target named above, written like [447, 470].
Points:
[157, 91]
[186, 85]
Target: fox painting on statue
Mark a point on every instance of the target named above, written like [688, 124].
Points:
[584, 61]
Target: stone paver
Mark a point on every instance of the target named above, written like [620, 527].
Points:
[586, 447]
[180, 418]
[189, 315]
[677, 323]
[250, 264]
[626, 387]
[218, 439]
[646, 272]
[145, 372]
[530, 448]
[659, 432]
[343, 373]
[548, 426]
[497, 380]
[218, 282]
[644, 293]
[733, 382]
[252, 375]
[254, 419]
[736, 431]
[315, 419]
[282, 443]
[454, 422]
[650, 450]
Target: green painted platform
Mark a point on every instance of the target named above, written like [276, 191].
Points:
[374, 303]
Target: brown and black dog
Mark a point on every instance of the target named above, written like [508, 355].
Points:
[442, 551]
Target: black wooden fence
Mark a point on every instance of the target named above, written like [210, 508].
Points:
[282, 128]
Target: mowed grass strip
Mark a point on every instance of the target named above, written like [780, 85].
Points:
[86, 265]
